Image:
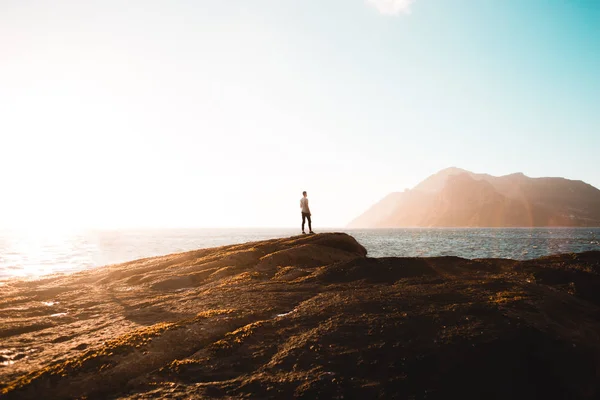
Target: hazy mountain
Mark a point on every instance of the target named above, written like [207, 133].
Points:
[455, 197]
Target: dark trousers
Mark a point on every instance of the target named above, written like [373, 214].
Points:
[306, 216]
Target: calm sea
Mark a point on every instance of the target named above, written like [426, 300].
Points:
[26, 255]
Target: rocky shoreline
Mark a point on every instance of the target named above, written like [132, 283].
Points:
[306, 317]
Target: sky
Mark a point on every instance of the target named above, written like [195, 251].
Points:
[212, 113]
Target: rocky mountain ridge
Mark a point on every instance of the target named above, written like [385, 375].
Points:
[458, 198]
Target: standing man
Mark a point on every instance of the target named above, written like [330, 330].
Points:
[305, 212]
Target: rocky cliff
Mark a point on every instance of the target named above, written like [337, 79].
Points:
[306, 317]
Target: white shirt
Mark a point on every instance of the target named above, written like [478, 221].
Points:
[304, 205]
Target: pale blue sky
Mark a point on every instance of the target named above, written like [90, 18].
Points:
[219, 113]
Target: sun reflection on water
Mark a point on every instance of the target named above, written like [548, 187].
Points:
[33, 253]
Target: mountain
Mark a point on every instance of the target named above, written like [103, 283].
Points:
[455, 197]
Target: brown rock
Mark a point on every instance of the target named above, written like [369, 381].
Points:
[306, 317]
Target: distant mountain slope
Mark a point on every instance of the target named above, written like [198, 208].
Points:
[381, 211]
[396, 209]
[455, 197]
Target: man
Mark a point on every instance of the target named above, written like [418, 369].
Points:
[305, 213]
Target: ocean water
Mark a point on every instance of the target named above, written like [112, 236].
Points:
[26, 255]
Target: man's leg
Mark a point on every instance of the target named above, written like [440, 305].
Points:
[309, 223]
[303, 221]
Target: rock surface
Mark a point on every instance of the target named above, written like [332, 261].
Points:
[307, 317]
[458, 198]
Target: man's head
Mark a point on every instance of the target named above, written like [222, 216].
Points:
[304, 193]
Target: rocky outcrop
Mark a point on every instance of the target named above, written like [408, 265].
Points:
[459, 198]
[306, 317]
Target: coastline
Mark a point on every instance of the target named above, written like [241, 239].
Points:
[34, 256]
[306, 316]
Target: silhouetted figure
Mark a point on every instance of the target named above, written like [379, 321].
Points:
[305, 212]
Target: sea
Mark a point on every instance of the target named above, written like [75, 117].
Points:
[24, 255]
